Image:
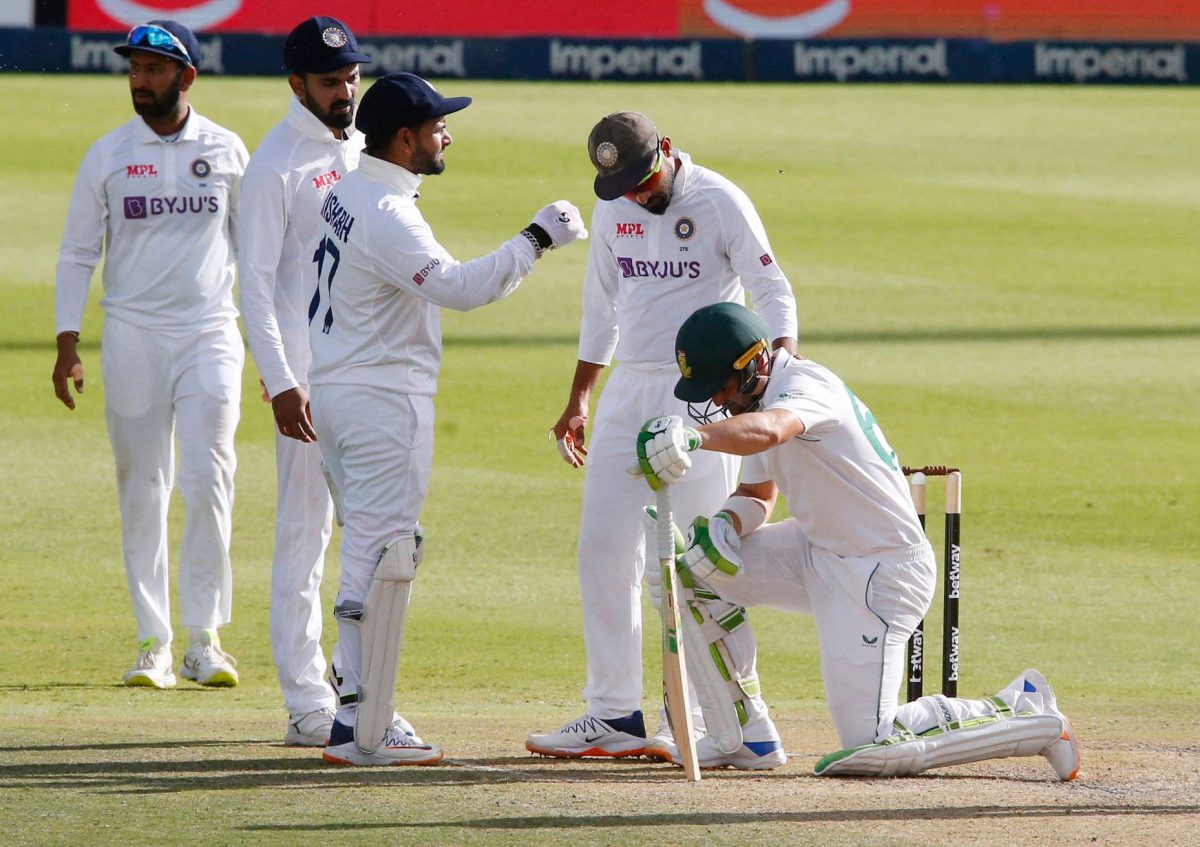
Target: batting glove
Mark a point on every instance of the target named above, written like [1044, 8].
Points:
[662, 450]
[713, 550]
[561, 222]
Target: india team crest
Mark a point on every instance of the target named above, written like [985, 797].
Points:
[684, 367]
[606, 154]
[334, 36]
[685, 228]
[200, 168]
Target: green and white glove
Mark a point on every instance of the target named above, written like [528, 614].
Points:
[713, 551]
[662, 450]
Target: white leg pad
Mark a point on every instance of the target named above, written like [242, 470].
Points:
[993, 737]
[723, 684]
[383, 618]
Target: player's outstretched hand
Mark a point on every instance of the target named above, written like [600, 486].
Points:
[562, 222]
[662, 450]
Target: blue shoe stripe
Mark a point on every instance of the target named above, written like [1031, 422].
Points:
[339, 733]
[762, 748]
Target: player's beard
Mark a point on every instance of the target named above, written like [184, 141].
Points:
[428, 164]
[158, 106]
[331, 119]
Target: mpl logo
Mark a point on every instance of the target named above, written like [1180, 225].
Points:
[325, 180]
[630, 230]
[139, 171]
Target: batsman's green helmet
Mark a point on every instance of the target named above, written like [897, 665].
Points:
[715, 343]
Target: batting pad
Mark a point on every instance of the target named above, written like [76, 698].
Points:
[993, 737]
[382, 624]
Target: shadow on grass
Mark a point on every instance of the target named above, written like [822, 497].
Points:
[659, 819]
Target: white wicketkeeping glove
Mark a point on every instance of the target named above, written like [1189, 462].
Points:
[562, 222]
[662, 450]
[713, 553]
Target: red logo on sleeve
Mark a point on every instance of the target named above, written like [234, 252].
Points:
[326, 180]
[765, 259]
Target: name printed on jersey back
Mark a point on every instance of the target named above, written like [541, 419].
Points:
[339, 220]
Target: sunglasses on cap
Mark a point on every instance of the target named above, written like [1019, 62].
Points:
[157, 38]
[650, 181]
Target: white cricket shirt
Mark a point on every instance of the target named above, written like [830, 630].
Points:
[388, 274]
[286, 181]
[164, 212]
[647, 273]
[842, 480]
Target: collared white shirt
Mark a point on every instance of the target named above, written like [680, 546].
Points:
[647, 273]
[164, 213]
[841, 478]
[286, 181]
[374, 318]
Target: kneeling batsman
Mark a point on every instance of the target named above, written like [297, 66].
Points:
[851, 553]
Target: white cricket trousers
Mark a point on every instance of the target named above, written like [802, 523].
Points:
[612, 543]
[865, 608]
[303, 525]
[156, 385]
[378, 448]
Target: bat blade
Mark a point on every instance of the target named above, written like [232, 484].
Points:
[676, 697]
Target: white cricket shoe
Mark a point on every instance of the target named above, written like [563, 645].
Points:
[153, 668]
[764, 754]
[592, 737]
[309, 729]
[398, 748]
[206, 663]
[1036, 695]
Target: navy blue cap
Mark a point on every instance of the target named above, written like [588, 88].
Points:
[403, 99]
[164, 37]
[320, 45]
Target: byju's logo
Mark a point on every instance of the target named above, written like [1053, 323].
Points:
[135, 207]
[631, 268]
[144, 207]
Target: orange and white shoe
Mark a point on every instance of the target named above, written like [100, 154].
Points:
[591, 737]
[1063, 752]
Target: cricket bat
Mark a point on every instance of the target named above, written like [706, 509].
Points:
[675, 677]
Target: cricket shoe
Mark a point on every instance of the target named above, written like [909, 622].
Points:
[1034, 694]
[397, 748]
[153, 668]
[309, 729]
[593, 737]
[206, 663]
[761, 755]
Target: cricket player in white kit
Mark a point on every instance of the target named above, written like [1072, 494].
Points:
[852, 554]
[668, 236]
[287, 179]
[161, 191]
[380, 277]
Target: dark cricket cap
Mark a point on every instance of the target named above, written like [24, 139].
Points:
[622, 147]
[403, 99]
[711, 345]
[164, 37]
[320, 45]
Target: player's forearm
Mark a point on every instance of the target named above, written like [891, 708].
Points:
[587, 374]
[750, 433]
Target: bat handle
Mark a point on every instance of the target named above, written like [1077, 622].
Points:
[665, 537]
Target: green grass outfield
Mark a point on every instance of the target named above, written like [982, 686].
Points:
[1008, 276]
